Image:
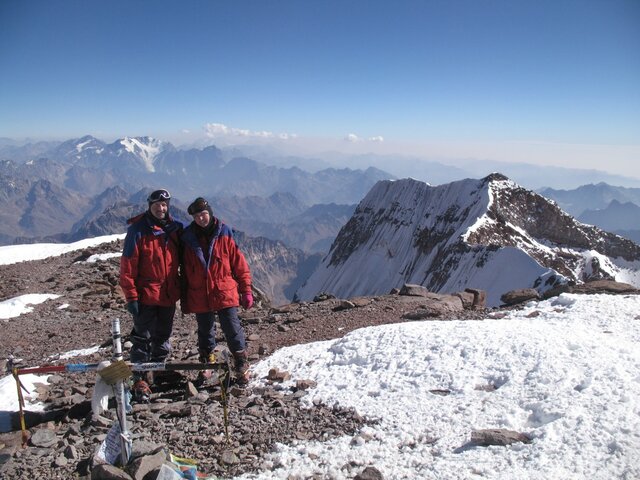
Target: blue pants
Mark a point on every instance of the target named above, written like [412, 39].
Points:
[151, 331]
[230, 323]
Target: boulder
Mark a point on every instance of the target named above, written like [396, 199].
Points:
[414, 290]
[141, 466]
[521, 295]
[479, 298]
[466, 298]
[604, 286]
[436, 306]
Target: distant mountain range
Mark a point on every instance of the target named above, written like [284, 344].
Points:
[489, 234]
[440, 171]
[89, 166]
[614, 209]
[54, 190]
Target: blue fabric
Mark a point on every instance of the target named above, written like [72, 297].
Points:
[231, 326]
[143, 225]
[190, 239]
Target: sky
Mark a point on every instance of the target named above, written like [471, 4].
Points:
[565, 373]
[551, 82]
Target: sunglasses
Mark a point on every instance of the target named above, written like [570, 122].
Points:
[158, 196]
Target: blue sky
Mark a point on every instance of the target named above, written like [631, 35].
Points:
[549, 81]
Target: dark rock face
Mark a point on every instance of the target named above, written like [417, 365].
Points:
[544, 220]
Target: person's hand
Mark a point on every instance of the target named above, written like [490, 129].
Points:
[133, 308]
[246, 300]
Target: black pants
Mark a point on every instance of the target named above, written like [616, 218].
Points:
[151, 331]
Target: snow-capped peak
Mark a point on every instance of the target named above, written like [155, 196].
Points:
[489, 234]
[145, 148]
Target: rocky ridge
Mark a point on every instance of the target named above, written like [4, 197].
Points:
[461, 234]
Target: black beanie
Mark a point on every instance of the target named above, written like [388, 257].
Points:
[199, 205]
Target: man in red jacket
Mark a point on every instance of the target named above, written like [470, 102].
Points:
[218, 279]
[149, 278]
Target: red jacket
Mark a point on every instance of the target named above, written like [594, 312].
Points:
[149, 267]
[214, 284]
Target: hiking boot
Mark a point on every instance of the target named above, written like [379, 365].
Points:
[141, 392]
[204, 376]
[241, 367]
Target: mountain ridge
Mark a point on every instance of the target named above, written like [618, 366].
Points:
[489, 234]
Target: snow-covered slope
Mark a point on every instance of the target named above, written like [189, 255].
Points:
[489, 234]
[145, 149]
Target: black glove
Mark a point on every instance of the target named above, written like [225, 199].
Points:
[133, 309]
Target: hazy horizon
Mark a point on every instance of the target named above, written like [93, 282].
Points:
[551, 83]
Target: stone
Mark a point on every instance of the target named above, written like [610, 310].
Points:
[344, 305]
[277, 376]
[190, 390]
[43, 438]
[141, 466]
[177, 409]
[467, 299]
[109, 472]
[140, 448]
[71, 452]
[290, 307]
[295, 318]
[369, 473]
[414, 290]
[498, 436]
[74, 399]
[321, 297]
[479, 298]
[305, 384]
[604, 286]
[229, 458]
[521, 295]
[360, 301]
[436, 306]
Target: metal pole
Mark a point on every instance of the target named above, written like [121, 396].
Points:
[125, 439]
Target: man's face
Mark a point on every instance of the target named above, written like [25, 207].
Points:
[202, 218]
[159, 210]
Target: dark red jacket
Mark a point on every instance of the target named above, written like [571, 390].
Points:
[214, 284]
[149, 267]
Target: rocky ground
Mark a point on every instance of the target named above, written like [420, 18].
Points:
[183, 417]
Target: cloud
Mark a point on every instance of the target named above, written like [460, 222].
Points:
[217, 130]
[353, 138]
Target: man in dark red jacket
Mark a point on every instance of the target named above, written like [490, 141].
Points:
[218, 279]
[149, 278]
